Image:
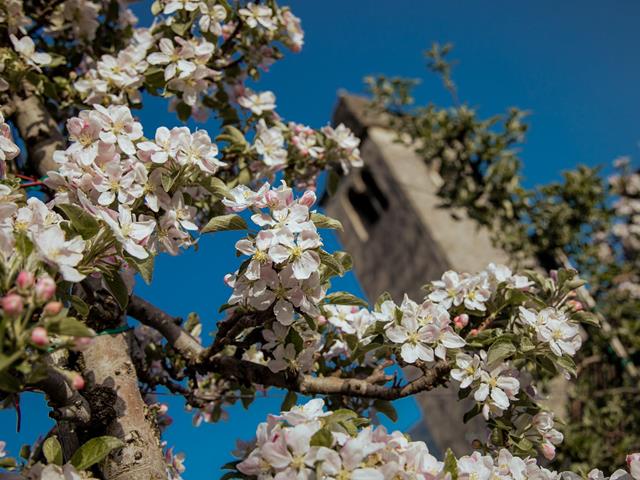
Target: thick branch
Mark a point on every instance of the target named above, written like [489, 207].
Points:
[108, 365]
[204, 361]
[167, 325]
[66, 401]
[39, 132]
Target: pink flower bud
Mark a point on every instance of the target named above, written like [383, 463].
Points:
[548, 450]
[45, 288]
[78, 382]
[39, 336]
[163, 409]
[576, 305]
[53, 308]
[25, 280]
[473, 332]
[321, 319]
[554, 275]
[308, 199]
[12, 304]
[82, 343]
[633, 461]
[461, 320]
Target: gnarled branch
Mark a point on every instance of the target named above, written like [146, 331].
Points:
[205, 360]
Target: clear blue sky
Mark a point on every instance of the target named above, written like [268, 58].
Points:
[573, 64]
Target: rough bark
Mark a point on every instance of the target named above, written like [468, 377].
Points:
[39, 132]
[108, 365]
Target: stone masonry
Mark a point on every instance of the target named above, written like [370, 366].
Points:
[400, 239]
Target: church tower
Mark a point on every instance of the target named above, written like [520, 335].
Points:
[400, 239]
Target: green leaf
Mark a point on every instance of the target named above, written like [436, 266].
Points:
[588, 318]
[322, 221]
[167, 181]
[334, 267]
[143, 266]
[387, 408]
[9, 383]
[333, 181]
[52, 450]
[526, 344]
[499, 350]
[218, 188]
[289, 401]
[7, 463]
[117, 288]
[322, 438]
[24, 246]
[451, 464]
[345, 298]
[183, 110]
[79, 306]
[225, 222]
[567, 363]
[72, 327]
[472, 413]
[94, 451]
[156, 8]
[84, 223]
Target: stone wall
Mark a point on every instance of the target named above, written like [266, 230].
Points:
[400, 239]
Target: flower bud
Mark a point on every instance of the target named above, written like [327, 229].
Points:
[461, 321]
[308, 199]
[78, 382]
[473, 332]
[45, 288]
[322, 320]
[576, 305]
[82, 343]
[39, 336]
[548, 450]
[25, 280]
[163, 408]
[12, 304]
[53, 308]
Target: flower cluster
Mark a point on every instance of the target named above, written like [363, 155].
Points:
[37, 224]
[140, 189]
[282, 271]
[422, 332]
[307, 442]
[117, 79]
[473, 291]
[494, 387]
[554, 328]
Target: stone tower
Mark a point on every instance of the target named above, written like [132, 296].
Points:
[400, 239]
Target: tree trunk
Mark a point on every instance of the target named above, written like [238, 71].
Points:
[108, 364]
[39, 132]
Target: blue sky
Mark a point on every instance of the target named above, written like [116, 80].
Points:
[574, 65]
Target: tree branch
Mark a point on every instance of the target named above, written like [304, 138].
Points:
[67, 403]
[206, 361]
[168, 326]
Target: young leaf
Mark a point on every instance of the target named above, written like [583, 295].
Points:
[289, 401]
[225, 222]
[94, 451]
[499, 350]
[84, 223]
[117, 288]
[345, 298]
[322, 221]
[52, 450]
[387, 408]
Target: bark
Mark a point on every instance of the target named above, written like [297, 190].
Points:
[108, 365]
[39, 132]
